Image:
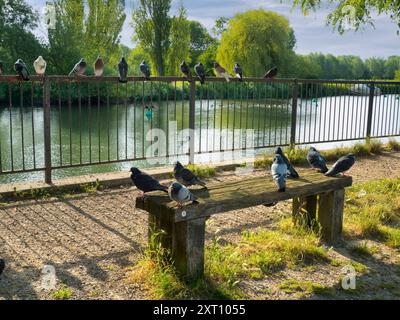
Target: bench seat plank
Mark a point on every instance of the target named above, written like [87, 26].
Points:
[240, 194]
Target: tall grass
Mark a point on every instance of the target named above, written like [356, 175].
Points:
[369, 214]
[298, 156]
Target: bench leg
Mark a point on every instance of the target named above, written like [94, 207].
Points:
[188, 247]
[304, 210]
[330, 215]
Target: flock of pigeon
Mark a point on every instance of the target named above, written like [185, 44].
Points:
[177, 191]
[79, 69]
[281, 169]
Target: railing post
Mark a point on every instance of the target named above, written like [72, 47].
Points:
[46, 121]
[294, 113]
[192, 113]
[370, 109]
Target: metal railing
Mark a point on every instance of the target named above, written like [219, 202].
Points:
[59, 122]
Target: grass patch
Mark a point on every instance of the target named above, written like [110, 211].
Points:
[375, 146]
[91, 187]
[363, 250]
[64, 293]
[393, 145]
[298, 156]
[369, 214]
[305, 288]
[256, 255]
[202, 171]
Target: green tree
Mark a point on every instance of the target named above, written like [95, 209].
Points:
[200, 41]
[78, 34]
[376, 67]
[397, 75]
[392, 64]
[17, 19]
[257, 40]
[103, 28]
[179, 42]
[66, 40]
[152, 26]
[353, 13]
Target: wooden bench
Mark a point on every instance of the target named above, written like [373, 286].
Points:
[315, 198]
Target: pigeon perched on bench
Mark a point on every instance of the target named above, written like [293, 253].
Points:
[186, 177]
[342, 165]
[291, 172]
[146, 183]
[279, 170]
[316, 161]
[180, 194]
[2, 266]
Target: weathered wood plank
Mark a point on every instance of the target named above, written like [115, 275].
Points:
[240, 194]
[188, 247]
[304, 210]
[330, 215]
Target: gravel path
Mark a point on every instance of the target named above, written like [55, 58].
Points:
[91, 239]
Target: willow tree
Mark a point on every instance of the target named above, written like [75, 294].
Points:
[257, 40]
[179, 42]
[152, 25]
[352, 14]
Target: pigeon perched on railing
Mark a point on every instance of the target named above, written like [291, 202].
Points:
[21, 69]
[316, 161]
[279, 170]
[99, 67]
[2, 266]
[342, 165]
[238, 71]
[180, 194]
[1, 68]
[40, 66]
[145, 69]
[272, 73]
[79, 69]
[200, 72]
[221, 72]
[123, 70]
[185, 176]
[186, 70]
[291, 172]
[145, 183]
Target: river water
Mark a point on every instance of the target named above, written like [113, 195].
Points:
[83, 134]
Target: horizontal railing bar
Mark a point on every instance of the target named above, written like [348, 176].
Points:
[12, 78]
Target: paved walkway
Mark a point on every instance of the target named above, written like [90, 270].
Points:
[91, 239]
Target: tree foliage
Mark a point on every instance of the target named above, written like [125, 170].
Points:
[17, 19]
[152, 25]
[78, 34]
[179, 42]
[353, 13]
[257, 40]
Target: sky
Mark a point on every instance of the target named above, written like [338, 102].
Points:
[311, 31]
